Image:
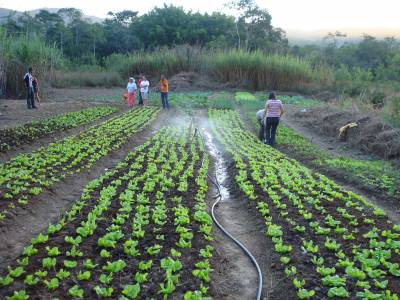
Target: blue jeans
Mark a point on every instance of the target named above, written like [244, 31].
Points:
[30, 97]
[164, 100]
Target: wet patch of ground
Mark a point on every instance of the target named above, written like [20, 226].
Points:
[234, 276]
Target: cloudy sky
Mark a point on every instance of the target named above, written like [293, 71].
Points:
[288, 14]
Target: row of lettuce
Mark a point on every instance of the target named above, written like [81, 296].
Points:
[329, 242]
[25, 176]
[139, 230]
[16, 136]
[371, 175]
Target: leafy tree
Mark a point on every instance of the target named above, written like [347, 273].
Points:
[253, 25]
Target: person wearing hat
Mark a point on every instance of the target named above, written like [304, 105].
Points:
[131, 87]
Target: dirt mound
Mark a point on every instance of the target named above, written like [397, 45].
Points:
[325, 95]
[190, 81]
[371, 136]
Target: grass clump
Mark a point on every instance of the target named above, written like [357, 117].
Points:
[300, 101]
[86, 79]
[377, 174]
[391, 111]
[244, 97]
[192, 100]
[221, 100]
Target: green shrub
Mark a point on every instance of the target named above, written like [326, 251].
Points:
[86, 79]
[17, 53]
[391, 111]
[221, 100]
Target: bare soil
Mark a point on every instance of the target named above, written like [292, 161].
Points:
[49, 206]
[371, 137]
[338, 147]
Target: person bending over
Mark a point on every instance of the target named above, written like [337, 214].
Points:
[260, 119]
[274, 110]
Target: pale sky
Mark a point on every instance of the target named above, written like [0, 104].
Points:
[287, 14]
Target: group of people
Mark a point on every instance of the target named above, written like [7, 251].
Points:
[143, 88]
[268, 119]
[32, 89]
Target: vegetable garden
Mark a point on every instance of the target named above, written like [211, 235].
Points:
[330, 242]
[25, 175]
[12, 137]
[143, 228]
[148, 215]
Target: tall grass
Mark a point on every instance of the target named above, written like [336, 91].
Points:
[17, 54]
[67, 79]
[260, 71]
[391, 111]
[164, 61]
[250, 70]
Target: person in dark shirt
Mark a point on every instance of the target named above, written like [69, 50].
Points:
[30, 97]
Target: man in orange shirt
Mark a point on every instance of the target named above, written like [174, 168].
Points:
[164, 92]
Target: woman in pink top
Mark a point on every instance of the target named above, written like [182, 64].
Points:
[274, 110]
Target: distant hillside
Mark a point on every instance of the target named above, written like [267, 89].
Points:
[353, 34]
[4, 12]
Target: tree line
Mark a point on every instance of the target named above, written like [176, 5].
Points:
[82, 41]
[122, 32]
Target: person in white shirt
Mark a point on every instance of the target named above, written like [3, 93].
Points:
[260, 115]
[131, 88]
[144, 90]
[30, 97]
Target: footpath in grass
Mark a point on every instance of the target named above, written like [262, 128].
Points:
[26, 175]
[329, 242]
[16, 136]
[141, 230]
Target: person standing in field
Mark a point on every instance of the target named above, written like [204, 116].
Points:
[139, 86]
[164, 92]
[35, 85]
[144, 89]
[30, 98]
[260, 119]
[273, 112]
[131, 88]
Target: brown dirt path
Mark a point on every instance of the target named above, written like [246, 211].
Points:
[49, 206]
